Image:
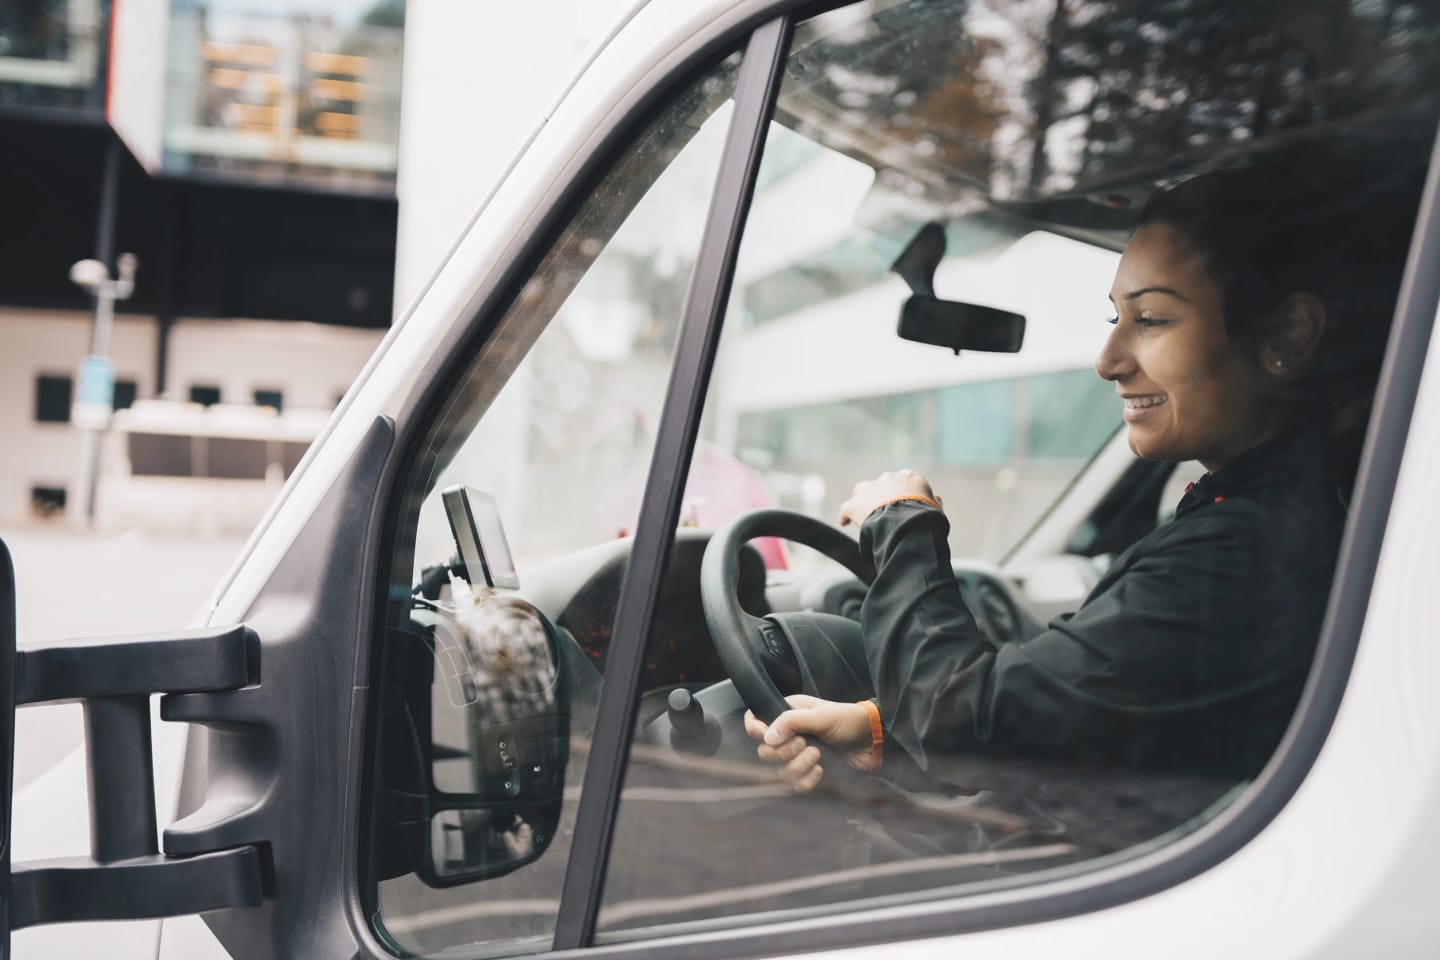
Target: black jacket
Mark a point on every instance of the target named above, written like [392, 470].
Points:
[1188, 657]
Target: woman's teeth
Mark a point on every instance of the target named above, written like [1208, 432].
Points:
[1140, 403]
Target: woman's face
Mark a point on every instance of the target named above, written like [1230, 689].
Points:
[1188, 395]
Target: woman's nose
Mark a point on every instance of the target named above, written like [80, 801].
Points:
[1115, 360]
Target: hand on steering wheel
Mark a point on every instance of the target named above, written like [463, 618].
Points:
[868, 495]
[753, 649]
[844, 727]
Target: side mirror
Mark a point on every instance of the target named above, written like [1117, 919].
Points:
[925, 318]
[499, 739]
[473, 753]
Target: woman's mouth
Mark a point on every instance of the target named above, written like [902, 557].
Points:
[1141, 406]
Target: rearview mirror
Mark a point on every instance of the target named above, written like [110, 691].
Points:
[961, 326]
[926, 318]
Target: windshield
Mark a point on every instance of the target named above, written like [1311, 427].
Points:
[813, 389]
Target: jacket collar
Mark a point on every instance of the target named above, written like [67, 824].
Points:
[1281, 461]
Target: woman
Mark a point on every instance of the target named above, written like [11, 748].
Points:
[1246, 333]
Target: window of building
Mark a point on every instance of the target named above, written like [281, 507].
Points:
[204, 394]
[50, 56]
[53, 394]
[125, 393]
[47, 500]
[274, 399]
[316, 84]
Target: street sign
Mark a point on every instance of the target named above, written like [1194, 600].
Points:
[94, 394]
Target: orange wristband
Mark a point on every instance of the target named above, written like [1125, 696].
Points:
[877, 731]
[908, 496]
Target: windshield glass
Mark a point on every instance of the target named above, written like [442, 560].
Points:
[814, 390]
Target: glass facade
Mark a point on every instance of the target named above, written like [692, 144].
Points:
[303, 93]
[51, 53]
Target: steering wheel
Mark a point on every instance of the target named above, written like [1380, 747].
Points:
[756, 650]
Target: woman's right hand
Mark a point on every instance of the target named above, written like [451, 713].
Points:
[886, 488]
[844, 727]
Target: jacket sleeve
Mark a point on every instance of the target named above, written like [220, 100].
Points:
[1166, 637]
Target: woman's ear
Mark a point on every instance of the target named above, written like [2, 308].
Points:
[1293, 335]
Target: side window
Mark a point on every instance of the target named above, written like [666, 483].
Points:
[937, 169]
[513, 534]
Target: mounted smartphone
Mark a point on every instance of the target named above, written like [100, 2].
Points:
[480, 537]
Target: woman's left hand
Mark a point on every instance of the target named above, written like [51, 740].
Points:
[870, 494]
[845, 727]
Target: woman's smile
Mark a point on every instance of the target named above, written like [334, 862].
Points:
[1138, 406]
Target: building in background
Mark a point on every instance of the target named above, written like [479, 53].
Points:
[246, 151]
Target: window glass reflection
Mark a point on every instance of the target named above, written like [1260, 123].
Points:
[50, 54]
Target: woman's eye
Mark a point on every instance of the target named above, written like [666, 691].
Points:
[1112, 321]
[1148, 321]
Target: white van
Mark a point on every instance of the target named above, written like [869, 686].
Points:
[476, 686]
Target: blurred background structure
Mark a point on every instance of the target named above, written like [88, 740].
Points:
[248, 152]
[253, 155]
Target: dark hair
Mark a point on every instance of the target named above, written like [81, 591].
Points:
[1268, 231]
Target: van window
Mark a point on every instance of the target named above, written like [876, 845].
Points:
[518, 505]
[1010, 732]
[1012, 276]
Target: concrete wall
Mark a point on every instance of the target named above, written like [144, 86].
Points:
[311, 364]
[37, 343]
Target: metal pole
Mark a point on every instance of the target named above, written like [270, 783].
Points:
[95, 393]
[92, 433]
[82, 509]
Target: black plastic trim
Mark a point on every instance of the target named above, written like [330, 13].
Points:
[7, 736]
[180, 661]
[67, 891]
[275, 772]
[755, 92]
[125, 877]
[121, 768]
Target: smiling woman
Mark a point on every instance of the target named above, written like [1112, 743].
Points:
[1189, 655]
[1236, 316]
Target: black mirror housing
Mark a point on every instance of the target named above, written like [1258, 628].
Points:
[925, 318]
[961, 326]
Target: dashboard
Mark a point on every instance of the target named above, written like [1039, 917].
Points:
[580, 592]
